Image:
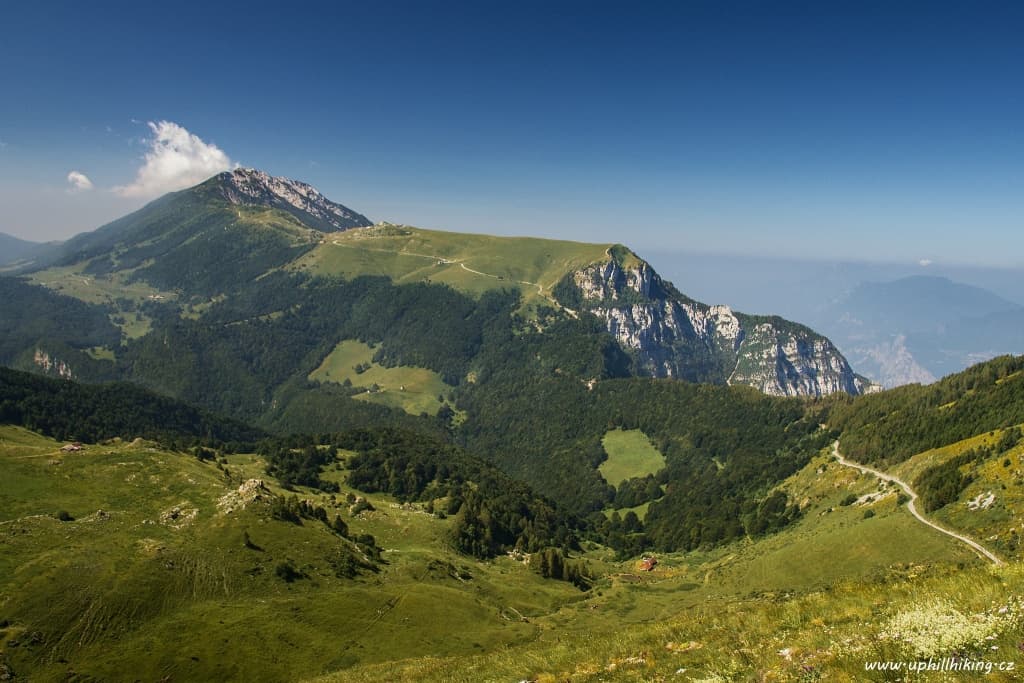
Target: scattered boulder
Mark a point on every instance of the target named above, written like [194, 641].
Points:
[179, 516]
[249, 492]
[982, 501]
[359, 505]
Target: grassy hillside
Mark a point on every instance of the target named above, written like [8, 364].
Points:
[832, 634]
[827, 592]
[161, 573]
[890, 427]
[988, 508]
[155, 575]
[469, 263]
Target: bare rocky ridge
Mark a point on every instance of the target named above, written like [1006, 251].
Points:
[671, 335]
[251, 186]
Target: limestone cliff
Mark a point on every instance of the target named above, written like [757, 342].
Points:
[670, 335]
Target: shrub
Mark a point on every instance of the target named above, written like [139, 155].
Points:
[287, 572]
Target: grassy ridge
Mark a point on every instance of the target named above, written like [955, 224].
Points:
[407, 254]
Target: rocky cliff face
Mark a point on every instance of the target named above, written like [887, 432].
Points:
[250, 186]
[671, 335]
[52, 366]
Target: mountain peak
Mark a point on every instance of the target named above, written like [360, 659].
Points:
[250, 186]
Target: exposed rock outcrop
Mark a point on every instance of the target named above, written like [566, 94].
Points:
[52, 366]
[253, 187]
[249, 492]
[671, 335]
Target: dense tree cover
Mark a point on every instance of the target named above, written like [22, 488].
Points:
[298, 466]
[551, 563]
[244, 349]
[66, 410]
[891, 426]
[639, 490]
[941, 484]
[525, 386]
[493, 512]
[725, 446]
[33, 317]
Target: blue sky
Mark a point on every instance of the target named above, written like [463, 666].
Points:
[834, 130]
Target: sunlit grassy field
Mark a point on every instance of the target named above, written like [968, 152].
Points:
[414, 390]
[630, 454]
[470, 263]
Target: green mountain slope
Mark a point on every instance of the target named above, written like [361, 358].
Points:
[16, 253]
[165, 565]
[191, 249]
[469, 263]
[67, 410]
[186, 552]
[890, 427]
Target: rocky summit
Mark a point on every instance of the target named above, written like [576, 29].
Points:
[254, 187]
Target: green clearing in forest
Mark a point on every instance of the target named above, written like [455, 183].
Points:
[630, 454]
[414, 390]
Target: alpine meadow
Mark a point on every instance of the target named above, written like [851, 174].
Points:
[514, 343]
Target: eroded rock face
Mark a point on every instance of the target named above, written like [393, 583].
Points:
[785, 362]
[249, 492]
[253, 187]
[671, 335]
[52, 366]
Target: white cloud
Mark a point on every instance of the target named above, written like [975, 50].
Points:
[925, 262]
[79, 182]
[176, 159]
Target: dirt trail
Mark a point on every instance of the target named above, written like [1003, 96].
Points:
[441, 259]
[912, 505]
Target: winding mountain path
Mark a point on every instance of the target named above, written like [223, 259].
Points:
[446, 261]
[974, 545]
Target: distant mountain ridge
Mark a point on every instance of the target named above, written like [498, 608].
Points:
[16, 250]
[919, 328]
